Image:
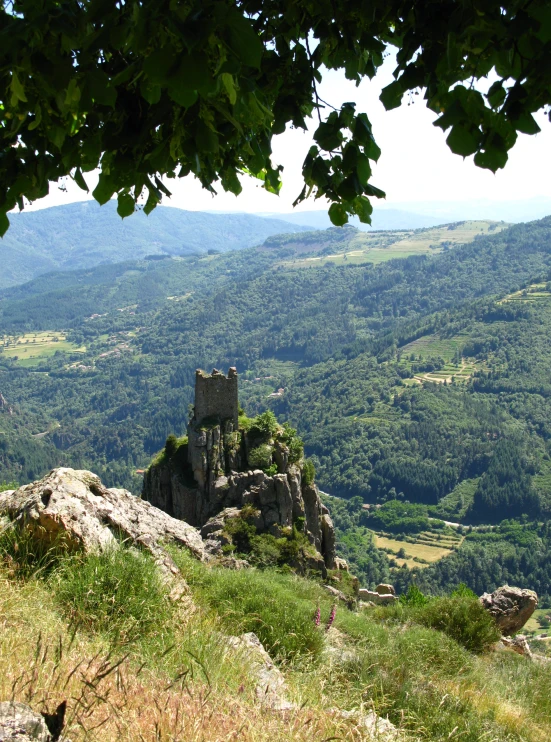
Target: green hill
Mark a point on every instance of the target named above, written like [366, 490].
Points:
[83, 235]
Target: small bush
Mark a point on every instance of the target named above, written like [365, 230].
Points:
[8, 486]
[414, 597]
[462, 591]
[293, 442]
[118, 593]
[462, 618]
[266, 423]
[261, 457]
[308, 472]
[171, 445]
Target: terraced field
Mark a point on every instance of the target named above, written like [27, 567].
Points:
[31, 348]
[447, 349]
[536, 293]
[420, 551]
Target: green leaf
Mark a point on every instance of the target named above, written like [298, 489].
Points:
[371, 190]
[350, 188]
[244, 41]
[150, 92]
[328, 137]
[338, 215]
[125, 205]
[17, 88]
[363, 169]
[206, 140]
[230, 182]
[161, 186]
[56, 135]
[73, 93]
[391, 96]
[4, 223]
[496, 94]
[526, 123]
[363, 209]
[79, 180]
[463, 141]
[193, 74]
[100, 89]
[160, 64]
[104, 189]
[151, 203]
[229, 86]
[183, 96]
[491, 159]
[38, 118]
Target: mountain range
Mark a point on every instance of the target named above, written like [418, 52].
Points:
[83, 235]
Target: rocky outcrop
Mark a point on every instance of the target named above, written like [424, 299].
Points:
[518, 644]
[511, 607]
[270, 686]
[371, 726]
[73, 508]
[19, 723]
[376, 598]
[211, 474]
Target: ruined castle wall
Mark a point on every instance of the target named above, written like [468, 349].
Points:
[216, 396]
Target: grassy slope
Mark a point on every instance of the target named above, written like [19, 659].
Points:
[177, 680]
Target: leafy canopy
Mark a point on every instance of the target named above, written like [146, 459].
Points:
[143, 89]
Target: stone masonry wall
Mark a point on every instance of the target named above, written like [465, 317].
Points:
[216, 396]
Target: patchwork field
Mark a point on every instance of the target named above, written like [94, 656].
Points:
[421, 550]
[31, 348]
[378, 247]
[536, 293]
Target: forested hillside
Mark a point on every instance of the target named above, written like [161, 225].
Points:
[420, 378]
[83, 235]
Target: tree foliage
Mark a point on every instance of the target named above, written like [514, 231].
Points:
[143, 89]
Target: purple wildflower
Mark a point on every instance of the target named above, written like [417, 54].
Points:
[331, 617]
[317, 616]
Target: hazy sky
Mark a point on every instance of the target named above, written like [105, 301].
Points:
[416, 164]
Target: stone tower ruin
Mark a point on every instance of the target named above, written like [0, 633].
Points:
[216, 396]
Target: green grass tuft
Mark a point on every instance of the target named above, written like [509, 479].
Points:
[118, 593]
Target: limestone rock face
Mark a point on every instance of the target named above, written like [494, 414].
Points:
[511, 607]
[75, 507]
[19, 723]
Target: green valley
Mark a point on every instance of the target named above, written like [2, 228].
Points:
[422, 379]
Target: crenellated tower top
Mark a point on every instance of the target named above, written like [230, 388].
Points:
[216, 396]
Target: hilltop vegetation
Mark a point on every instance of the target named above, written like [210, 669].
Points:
[421, 379]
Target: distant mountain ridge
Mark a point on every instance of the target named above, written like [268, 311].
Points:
[83, 235]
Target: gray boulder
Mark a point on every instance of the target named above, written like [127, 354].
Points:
[73, 508]
[372, 596]
[511, 607]
[19, 723]
[270, 686]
